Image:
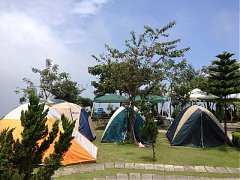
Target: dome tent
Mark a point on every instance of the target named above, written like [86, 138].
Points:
[76, 113]
[81, 149]
[196, 126]
[116, 129]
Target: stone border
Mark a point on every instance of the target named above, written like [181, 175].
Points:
[67, 170]
[145, 176]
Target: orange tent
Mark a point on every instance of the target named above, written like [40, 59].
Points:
[81, 149]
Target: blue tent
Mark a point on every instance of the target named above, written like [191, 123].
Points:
[116, 129]
[84, 126]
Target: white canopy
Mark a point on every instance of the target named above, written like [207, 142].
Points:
[233, 96]
[198, 94]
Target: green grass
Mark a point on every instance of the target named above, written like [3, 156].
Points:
[113, 172]
[224, 156]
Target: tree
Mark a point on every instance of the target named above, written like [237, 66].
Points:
[177, 76]
[52, 83]
[224, 79]
[20, 157]
[135, 67]
[84, 102]
[149, 130]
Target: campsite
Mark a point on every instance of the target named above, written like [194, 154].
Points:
[119, 90]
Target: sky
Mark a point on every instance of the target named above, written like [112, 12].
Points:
[69, 32]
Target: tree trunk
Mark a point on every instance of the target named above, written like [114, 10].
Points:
[131, 122]
[153, 151]
[225, 116]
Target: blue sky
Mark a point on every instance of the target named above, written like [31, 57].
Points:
[69, 32]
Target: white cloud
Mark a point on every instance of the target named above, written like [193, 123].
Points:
[88, 7]
[24, 38]
[25, 43]
[31, 31]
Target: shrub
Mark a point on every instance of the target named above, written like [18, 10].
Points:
[236, 138]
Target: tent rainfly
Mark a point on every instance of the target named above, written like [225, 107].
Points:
[116, 129]
[196, 126]
[76, 113]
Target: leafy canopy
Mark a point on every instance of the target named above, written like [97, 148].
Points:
[138, 65]
[53, 83]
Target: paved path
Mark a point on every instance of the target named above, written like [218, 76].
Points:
[139, 176]
[67, 170]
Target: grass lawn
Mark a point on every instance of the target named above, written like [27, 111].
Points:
[224, 156]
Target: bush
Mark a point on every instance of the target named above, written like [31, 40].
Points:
[236, 138]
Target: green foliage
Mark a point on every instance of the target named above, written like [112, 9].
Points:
[178, 76]
[224, 79]
[7, 156]
[176, 111]
[236, 138]
[200, 80]
[149, 130]
[52, 83]
[66, 89]
[85, 102]
[149, 134]
[136, 68]
[138, 65]
[224, 75]
[61, 146]
[20, 157]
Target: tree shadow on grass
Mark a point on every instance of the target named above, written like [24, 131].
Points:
[129, 153]
[147, 158]
[224, 148]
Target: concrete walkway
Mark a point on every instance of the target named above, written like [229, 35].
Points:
[139, 176]
[83, 168]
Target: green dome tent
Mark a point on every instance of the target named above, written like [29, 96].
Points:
[196, 126]
[116, 129]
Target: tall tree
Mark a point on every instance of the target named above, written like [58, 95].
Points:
[52, 83]
[20, 157]
[224, 78]
[136, 67]
[178, 76]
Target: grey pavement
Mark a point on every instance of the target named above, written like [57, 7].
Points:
[83, 168]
